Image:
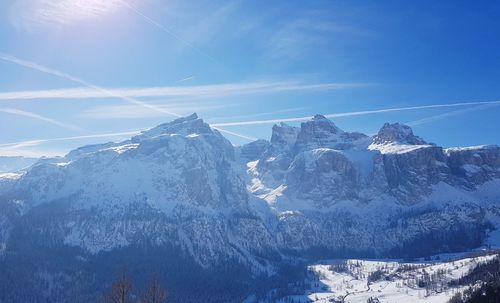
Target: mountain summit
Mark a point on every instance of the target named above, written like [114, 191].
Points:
[184, 189]
[397, 133]
[190, 125]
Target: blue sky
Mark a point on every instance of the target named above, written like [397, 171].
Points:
[76, 72]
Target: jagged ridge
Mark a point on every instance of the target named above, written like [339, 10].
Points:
[314, 186]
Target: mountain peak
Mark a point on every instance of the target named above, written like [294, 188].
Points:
[182, 126]
[397, 133]
[284, 134]
[318, 132]
[283, 137]
[320, 123]
[193, 116]
[319, 117]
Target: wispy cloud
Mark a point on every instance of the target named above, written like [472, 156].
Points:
[88, 85]
[95, 88]
[132, 111]
[32, 143]
[32, 115]
[354, 113]
[215, 90]
[25, 148]
[477, 106]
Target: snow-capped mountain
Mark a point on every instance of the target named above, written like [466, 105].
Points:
[349, 192]
[313, 190]
[177, 183]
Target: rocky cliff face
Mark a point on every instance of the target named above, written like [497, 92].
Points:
[182, 161]
[175, 184]
[350, 192]
[313, 188]
[397, 134]
[473, 165]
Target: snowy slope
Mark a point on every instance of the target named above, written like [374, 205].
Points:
[310, 190]
[175, 184]
[397, 282]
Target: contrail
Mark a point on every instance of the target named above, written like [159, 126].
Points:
[196, 91]
[14, 145]
[234, 134]
[449, 114]
[168, 31]
[41, 141]
[186, 79]
[50, 71]
[216, 125]
[19, 112]
[355, 113]
[59, 74]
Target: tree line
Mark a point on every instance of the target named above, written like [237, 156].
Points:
[486, 277]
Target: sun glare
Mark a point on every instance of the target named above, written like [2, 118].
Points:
[72, 11]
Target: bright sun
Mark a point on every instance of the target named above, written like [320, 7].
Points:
[72, 11]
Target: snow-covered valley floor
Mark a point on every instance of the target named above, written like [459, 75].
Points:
[356, 281]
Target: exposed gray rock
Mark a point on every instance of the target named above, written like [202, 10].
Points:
[397, 133]
[323, 175]
[410, 175]
[254, 150]
[315, 187]
[475, 165]
[283, 138]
